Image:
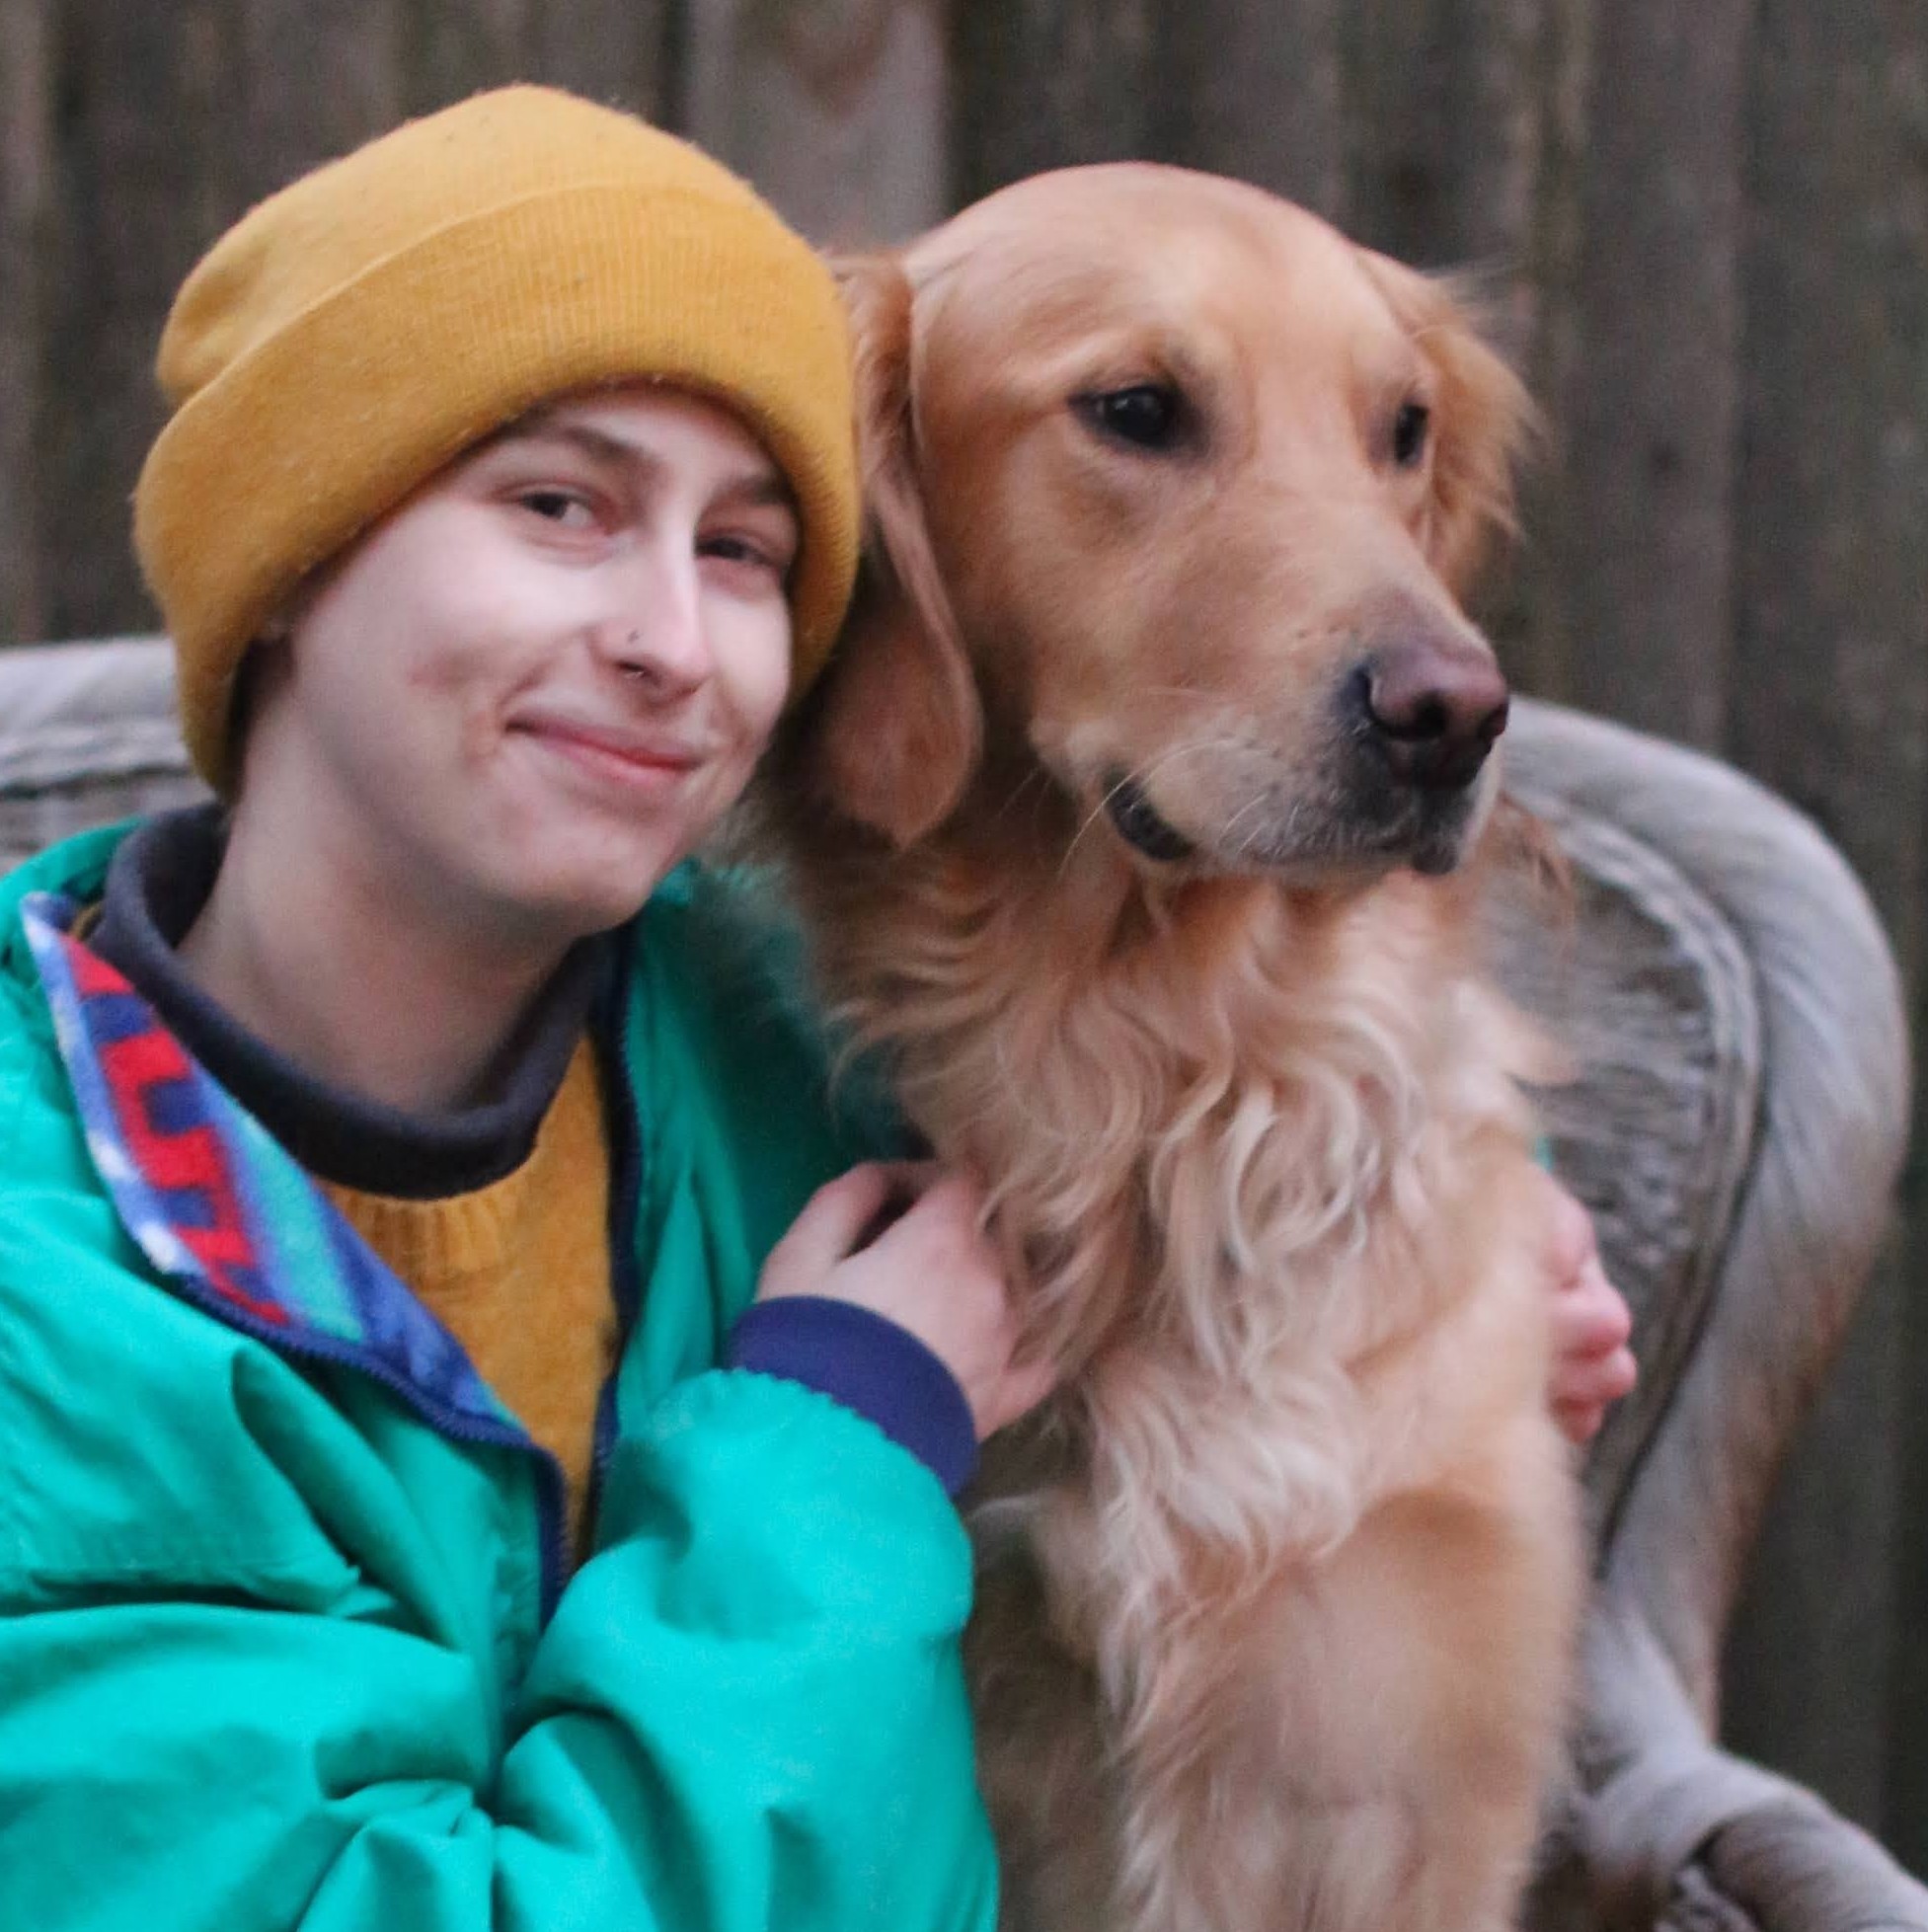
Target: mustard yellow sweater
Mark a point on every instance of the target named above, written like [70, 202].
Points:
[518, 1271]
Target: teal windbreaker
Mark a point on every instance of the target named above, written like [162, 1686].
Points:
[284, 1640]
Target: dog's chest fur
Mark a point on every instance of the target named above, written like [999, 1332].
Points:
[1226, 1133]
[1256, 1159]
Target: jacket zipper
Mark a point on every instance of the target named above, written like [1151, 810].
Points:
[626, 1166]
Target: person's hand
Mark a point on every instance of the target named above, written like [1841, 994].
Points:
[907, 1242]
[1592, 1366]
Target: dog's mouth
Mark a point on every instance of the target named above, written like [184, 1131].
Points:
[1359, 835]
[1139, 823]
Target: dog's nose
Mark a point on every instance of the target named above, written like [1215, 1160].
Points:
[1434, 708]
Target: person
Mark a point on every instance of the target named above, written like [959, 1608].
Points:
[480, 1427]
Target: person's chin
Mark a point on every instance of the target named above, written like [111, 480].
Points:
[590, 884]
[587, 862]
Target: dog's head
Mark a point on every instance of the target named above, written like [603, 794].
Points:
[1174, 491]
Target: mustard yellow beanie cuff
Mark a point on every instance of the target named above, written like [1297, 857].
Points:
[360, 330]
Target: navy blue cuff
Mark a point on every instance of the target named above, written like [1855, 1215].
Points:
[866, 1362]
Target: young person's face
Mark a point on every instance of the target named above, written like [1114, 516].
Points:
[534, 687]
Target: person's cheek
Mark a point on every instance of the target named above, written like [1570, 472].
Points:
[750, 648]
[772, 655]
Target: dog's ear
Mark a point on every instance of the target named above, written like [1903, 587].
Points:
[891, 736]
[1484, 420]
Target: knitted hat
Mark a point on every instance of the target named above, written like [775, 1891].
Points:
[362, 328]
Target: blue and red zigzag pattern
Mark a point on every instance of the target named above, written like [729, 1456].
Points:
[166, 1132]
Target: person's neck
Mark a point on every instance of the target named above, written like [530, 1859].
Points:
[331, 959]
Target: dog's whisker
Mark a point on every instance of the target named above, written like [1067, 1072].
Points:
[1036, 776]
[1091, 819]
[1248, 809]
[1142, 775]
[1138, 775]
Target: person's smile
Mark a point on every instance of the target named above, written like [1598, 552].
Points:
[635, 760]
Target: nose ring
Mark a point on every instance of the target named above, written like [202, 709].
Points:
[639, 671]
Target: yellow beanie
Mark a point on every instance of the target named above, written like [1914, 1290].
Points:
[362, 328]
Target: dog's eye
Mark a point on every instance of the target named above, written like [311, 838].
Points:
[1147, 415]
[1410, 427]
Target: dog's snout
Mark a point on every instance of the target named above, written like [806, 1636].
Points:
[1434, 708]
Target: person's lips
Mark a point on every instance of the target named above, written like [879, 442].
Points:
[615, 752]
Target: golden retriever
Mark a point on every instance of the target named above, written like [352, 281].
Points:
[1126, 821]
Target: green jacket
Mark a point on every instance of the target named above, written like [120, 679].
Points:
[283, 1640]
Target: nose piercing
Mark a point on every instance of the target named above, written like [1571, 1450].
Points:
[641, 672]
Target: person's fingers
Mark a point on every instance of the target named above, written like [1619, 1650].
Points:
[941, 1227]
[1580, 1411]
[830, 1225]
[1619, 1374]
[1571, 1243]
[1589, 1315]
[1605, 1379]
[1597, 1382]
[1577, 1328]
[1578, 1422]
[1594, 1366]
[909, 1182]
[909, 1243]
[1616, 1318]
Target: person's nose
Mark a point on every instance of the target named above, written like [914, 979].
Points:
[655, 632]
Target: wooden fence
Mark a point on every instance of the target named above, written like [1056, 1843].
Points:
[1706, 225]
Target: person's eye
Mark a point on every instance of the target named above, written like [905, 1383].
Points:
[752, 551]
[570, 509]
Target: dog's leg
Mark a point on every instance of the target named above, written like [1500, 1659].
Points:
[1365, 1752]
[1425, 1672]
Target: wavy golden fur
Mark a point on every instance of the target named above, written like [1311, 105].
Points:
[1096, 841]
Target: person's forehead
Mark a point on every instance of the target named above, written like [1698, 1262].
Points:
[652, 422]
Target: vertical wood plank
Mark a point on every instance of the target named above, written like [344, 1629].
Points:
[1645, 547]
[1831, 692]
[616, 51]
[1500, 113]
[142, 104]
[834, 109]
[1830, 705]
[1536, 647]
[1443, 132]
[284, 125]
[1043, 84]
[26, 190]
[455, 50]
[1253, 92]
[1442, 128]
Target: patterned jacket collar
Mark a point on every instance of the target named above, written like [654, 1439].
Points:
[221, 1211]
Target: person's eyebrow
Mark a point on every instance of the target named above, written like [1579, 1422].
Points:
[756, 489]
[752, 488]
